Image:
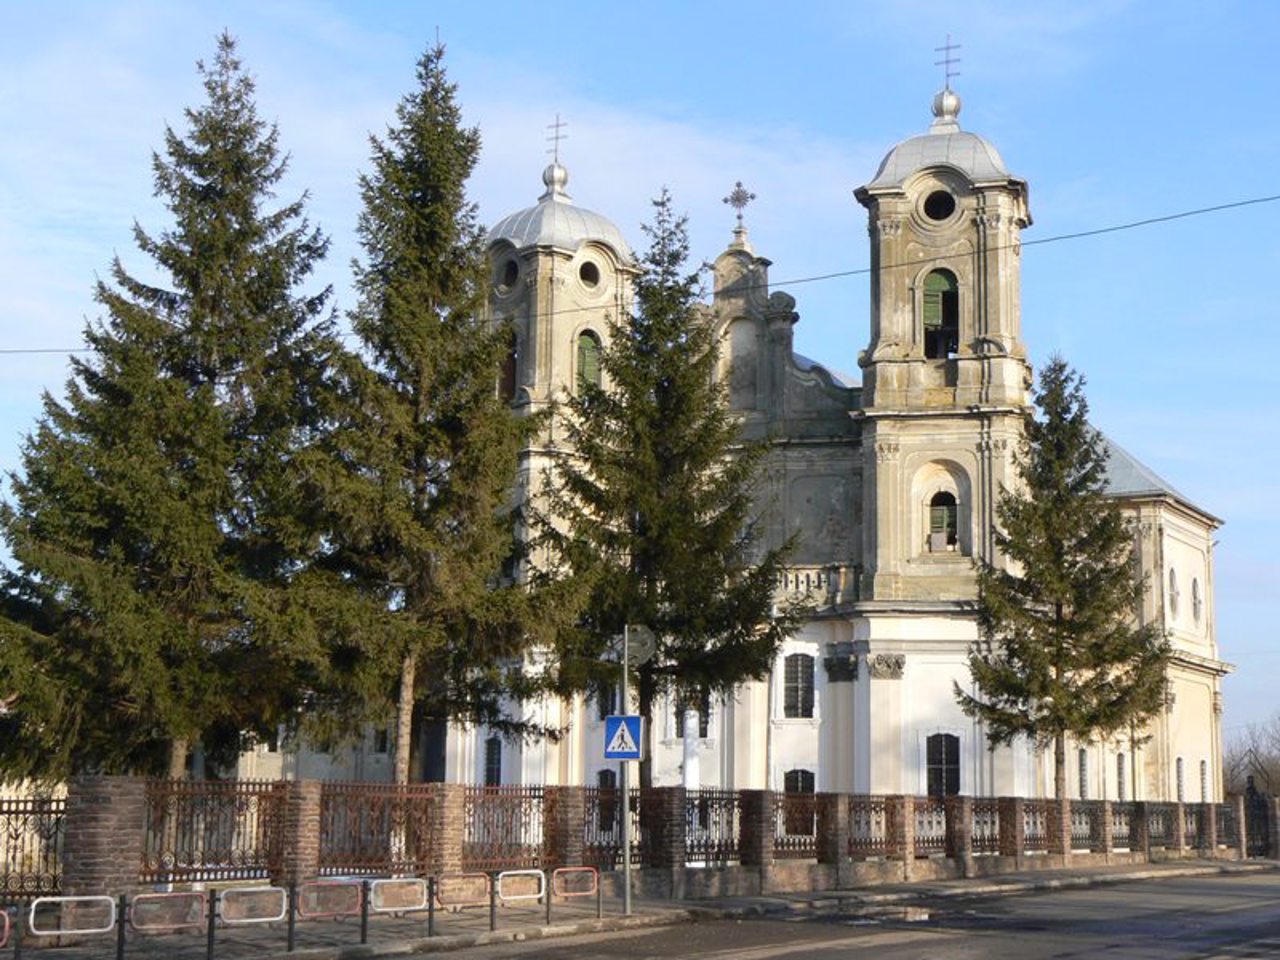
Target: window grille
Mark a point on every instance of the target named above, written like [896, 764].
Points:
[797, 689]
[588, 359]
[493, 762]
[942, 752]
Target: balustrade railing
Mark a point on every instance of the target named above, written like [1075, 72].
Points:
[31, 830]
[795, 826]
[1035, 826]
[376, 828]
[930, 827]
[202, 830]
[502, 828]
[986, 826]
[871, 833]
[1086, 824]
[1160, 824]
[1121, 825]
[1228, 826]
[712, 826]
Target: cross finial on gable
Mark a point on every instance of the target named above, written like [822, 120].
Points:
[738, 198]
[557, 134]
[947, 61]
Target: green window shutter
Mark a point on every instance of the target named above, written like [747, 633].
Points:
[588, 359]
[936, 286]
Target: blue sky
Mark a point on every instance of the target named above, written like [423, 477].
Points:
[1113, 111]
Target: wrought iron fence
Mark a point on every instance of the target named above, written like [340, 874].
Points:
[1121, 826]
[376, 828]
[1035, 826]
[871, 832]
[986, 826]
[795, 826]
[1160, 824]
[502, 827]
[930, 826]
[31, 831]
[1228, 826]
[712, 821]
[213, 830]
[1086, 824]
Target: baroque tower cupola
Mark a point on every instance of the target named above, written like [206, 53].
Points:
[560, 273]
[945, 216]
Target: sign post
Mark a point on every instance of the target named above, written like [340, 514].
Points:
[624, 739]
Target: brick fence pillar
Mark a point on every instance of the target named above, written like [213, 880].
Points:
[448, 828]
[104, 835]
[1013, 826]
[563, 823]
[1242, 835]
[960, 832]
[1103, 836]
[299, 860]
[1058, 826]
[833, 828]
[756, 825]
[1140, 829]
[902, 818]
[662, 814]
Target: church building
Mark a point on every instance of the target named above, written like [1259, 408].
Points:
[891, 487]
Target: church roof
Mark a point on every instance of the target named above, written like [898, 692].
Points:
[555, 222]
[945, 145]
[839, 379]
[1128, 477]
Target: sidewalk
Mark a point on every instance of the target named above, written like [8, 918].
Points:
[388, 935]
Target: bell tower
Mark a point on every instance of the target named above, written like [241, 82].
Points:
[945, 375]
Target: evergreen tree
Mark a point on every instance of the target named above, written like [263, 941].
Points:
[425, 531]
[152, 523]
[1060, 653]
[652, 513]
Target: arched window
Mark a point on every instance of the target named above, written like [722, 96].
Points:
[944, 522]
[507, 381]
[941, 315]
[1204, 782]
[493, 762]
[1120, 778]
[798, 811]
[607, 808]
[1082, 760]
[943, 764]
[1197, 602]
[1173, 593]
[703, 706]
[588, 359]
[606, 696]
[1182, 783]
[797, 686]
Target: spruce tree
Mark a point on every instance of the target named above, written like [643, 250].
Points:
[1060, 652]
[152, 522]
[652, 509]
[425, 530]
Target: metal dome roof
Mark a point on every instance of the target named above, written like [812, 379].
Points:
[556, 222]
[944, 145]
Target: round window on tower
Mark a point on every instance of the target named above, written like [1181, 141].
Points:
[939, 205]
[589, 274]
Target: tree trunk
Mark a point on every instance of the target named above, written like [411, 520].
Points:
[404, 717]
[644, 680]
[178, 758]
[1060, 766]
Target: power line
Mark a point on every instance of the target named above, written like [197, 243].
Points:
[860, 271]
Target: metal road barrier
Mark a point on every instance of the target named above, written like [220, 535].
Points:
[569, 882]
[539, 886]
[454, 891]
[247, 905]
[330, 899]
[85, 915]
[398, 895]
[168, 912]
[6, 924]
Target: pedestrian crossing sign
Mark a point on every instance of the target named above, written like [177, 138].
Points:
[622, 738]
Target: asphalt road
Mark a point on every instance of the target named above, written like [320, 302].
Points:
[1210, 917]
